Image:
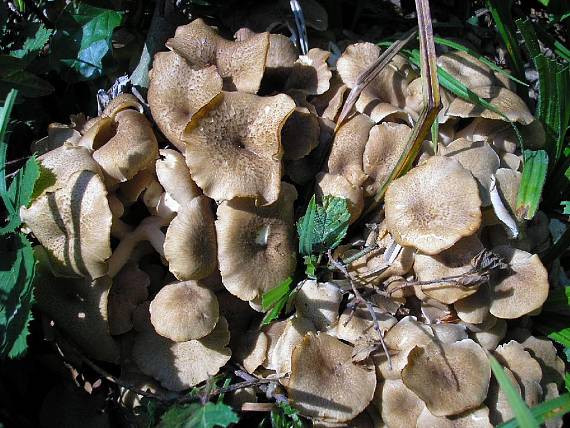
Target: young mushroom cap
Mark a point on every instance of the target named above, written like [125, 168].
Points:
[310, 73]
[177, 93]
[500, 409]
[450, 378]
[280, 357]
[190, 243]
[174, 176]
[474, 309]
[490, 336]
[318, 302]
[300, 134]
[400, 406]
[336, 185]
[524, 290]
[508, 183]
[183, 311]
[256, 249]
[324, 381]
[478, 418]
[433, 206]
[251, 350]
[241, 64]
[235, 150]
[74, 224]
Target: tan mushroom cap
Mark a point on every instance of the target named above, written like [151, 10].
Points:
[183, 311]
[251, 350]
[130, 289]
[400, 406]
[357, 327]
[346, 156]
[474, 309]
[523, 291]
[508, 183]
[324, 382]
[490, 336]
[310, 73]
[120, 103]
[385, 145]
[450, 378]
[300, 134]
[74, 224]
[499, 407]
[58, 134]
[329, 103]
[467, 69]
[318, 302]
[174, 176]
[78, 307]
[505, 101]
[336, 185]
[130, 191]
[281, 56]
[433, 206]
[190, 243]
[241, 64]
[181, 365]
[449, 333]
[451, 262]
[235, 150]
[388, 86]
[280, 357]
[478, 418]
[478, 158]
[256, 248]
[526, 370]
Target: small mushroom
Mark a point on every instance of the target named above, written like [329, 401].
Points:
[489, 335]
[300, 134]
[467, 69]
[174, 177]
[400, 406]
[433, 206]
[310, 73]
[500, 409]
[336, 185]
[318, 302]
[478, 418]
[251, 351]
[474, 309]
[280, 357]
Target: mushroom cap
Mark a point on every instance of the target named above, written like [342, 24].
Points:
[177, 93]
[300, 134]
[449, 333]
[174, 176]
[251, 351]
[450, 378]
[329, 103]
[281, 56]
[129, 147]
[74, 225]
[478, 418]
[502, 99]
[183, 311]
[467, 69]
[499, 407]
[522, 292]
[346, 156]
[235, 149]
[256, 248]
[379, 111]
[130, 289]
[336, 185]
[479, 159]
[451, 262]
[357, 327]
[508, 183]
[400, 406]
[491, 335]
[181, 365]
[310, 73]
[318, 302]
[190, 244]
[474, 309]
[433, 206]
[130, 191]
[241, 64]
[280, 357]
[386, 143]
[324, 381]
[389, 85]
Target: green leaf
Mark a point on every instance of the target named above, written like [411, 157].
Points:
[83, 39]
[561, 336]
[566, 207]
[13, 76]
[195, 415]
[554, 408]
[286, 416]
[272, 296]
[323, 227]
[17, 270]
[4, 121]
[532, 182]
[523, 415]
[311, 263]
[34, 44]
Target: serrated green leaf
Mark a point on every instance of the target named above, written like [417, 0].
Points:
[83, 39]
[323, 227]
[532, 183]
[32, 45]
[561, 336]
[554, 408]
[197, 416]
[523, 415]
[566, 207]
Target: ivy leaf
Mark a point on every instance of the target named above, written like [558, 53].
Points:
[197, 416]
[83, 39]
[323, 227]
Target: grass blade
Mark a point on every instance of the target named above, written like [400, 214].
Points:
[4, 120]
[555, 408]
[532, 183]
[523, 415]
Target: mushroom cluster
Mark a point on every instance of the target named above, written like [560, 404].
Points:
[155, 256]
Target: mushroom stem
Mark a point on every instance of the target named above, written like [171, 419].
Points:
[120, 229]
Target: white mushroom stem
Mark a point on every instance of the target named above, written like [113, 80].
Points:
[147, 230]
[501, 211]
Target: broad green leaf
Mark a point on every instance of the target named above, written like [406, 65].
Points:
[195, 415]
[17, 269]
[32, 45]
[523, 415]
[83, 39]
[274, 312]
[272, 296]
[323, 227]
[532, 182]
[566, 207]
[554, 408]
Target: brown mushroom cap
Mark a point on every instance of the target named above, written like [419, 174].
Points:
[251, 350]
[174, 176]
[499, 407]
[190, 243]
[181, 365]
[240, 64]
[478, 418]
[508, 183]
[451, 262]
[474, 309]
[183, 311]
[523, 291]
[336, 185]
[450, 378]
[235, 150]
[400, 406]
[280, 357]
[467, 69]
[300, 134]
[433, 206]
[256, 249]
[310, 73]
[490, 336]
[177, 93]
[329, 103]
[318, 302]
[325, 383]
[74, 224]
[357, 327]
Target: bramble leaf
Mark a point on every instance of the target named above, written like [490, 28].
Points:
[195, 415]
